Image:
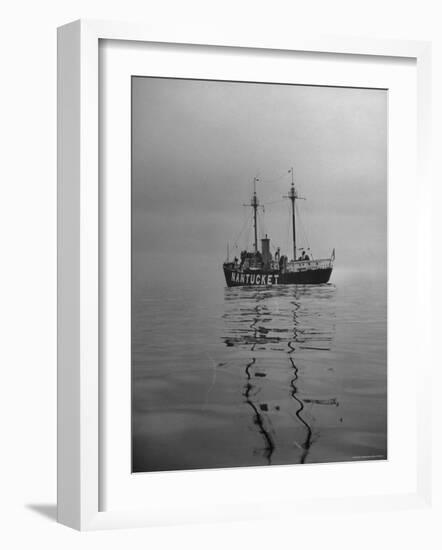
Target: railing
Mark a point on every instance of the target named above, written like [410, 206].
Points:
[292, 266]
[304, 265]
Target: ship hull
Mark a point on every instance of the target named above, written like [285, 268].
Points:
[270, 278]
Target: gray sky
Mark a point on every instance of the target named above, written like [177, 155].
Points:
[198, 144]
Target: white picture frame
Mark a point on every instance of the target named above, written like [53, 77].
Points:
[79, 294]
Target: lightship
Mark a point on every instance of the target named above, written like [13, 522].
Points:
[261, 268]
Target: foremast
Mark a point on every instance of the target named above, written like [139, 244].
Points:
[254, 203]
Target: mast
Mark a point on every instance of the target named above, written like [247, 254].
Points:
[254, 203]
[293, 196]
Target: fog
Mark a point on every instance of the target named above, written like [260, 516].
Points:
[196, 146]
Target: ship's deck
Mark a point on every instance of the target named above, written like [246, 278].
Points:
[292, 266]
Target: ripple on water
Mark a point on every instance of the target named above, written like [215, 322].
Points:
[281, 375]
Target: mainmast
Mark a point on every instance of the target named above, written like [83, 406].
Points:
[293, 196]
[254, 203]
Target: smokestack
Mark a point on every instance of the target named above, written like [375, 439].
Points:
[265, 250]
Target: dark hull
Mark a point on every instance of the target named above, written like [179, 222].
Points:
[270, 278]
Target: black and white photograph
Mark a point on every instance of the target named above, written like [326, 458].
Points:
[259, 274]
[221, 303]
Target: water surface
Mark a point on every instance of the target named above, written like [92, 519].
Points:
[258, 376]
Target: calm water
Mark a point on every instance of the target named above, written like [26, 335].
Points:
[236, 377]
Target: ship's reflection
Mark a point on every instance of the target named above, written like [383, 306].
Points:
[275, 329]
